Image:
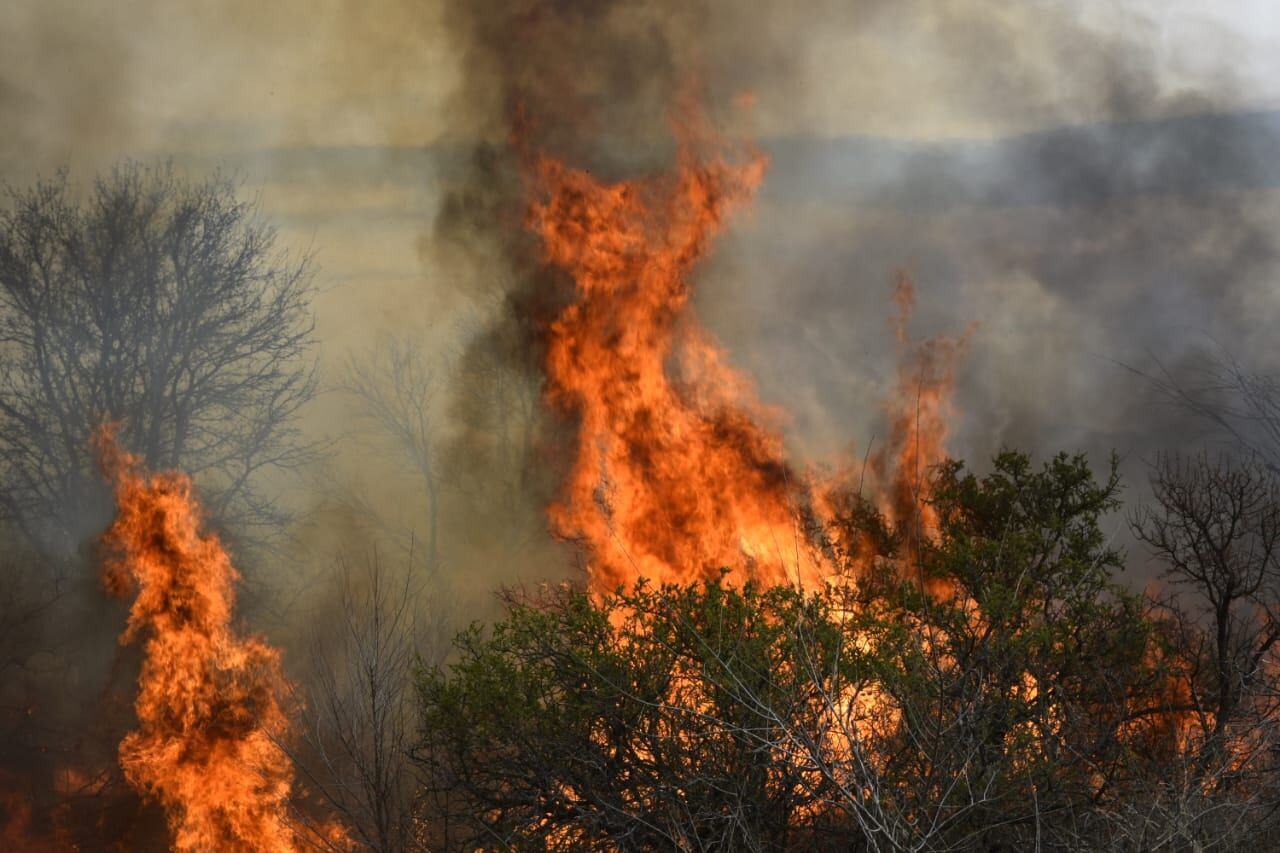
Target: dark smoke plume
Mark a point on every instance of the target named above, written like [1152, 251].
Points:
[1084, 207]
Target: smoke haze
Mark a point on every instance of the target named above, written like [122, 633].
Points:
[1091, 183]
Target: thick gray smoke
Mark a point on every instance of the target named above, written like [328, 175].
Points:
[1080, 251]
[1054, 171]
[1051, 171]
[1063, 186]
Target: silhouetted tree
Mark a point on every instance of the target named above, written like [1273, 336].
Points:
[161, 303]
[1215, 525]
[357, 713]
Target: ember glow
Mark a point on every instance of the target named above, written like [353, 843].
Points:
[208, 706]
[680, 469]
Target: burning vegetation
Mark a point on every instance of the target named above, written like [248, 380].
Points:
[210, 718]
[905, 657]
[757, 651]
[902, 655]
[679, 470]
[674, 474]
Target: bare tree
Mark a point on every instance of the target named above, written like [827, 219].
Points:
[358, 712]
[1215, 525]
[1180, 807]
[396, 388]
[465, 425]
[161, 303]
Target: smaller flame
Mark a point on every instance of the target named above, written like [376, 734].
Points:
[919, 413]
[210, 717]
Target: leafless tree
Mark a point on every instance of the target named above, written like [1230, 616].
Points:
[1215, 525]
[466, 425]
[1181, 807]
[396, 387]
[161, 303]
[358, 711]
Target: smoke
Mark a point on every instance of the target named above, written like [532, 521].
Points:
[1091, 197]
[1082, 179]
[1078, 251]
[1079, 179]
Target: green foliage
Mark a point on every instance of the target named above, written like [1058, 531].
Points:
[993, 689]
[655, 715]
[1017, 685]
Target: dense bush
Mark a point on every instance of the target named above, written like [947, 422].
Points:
[994, 688]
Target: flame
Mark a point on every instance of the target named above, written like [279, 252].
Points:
[208, 706]
[679, 469]
[918, 411]
[17, 821]
[677, 472]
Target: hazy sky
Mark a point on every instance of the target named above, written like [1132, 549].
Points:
[247, 84]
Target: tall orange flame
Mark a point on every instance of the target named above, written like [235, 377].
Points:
[208, 706]
[680, 470]
[675, 477]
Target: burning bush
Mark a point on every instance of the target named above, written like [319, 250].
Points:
[1026, 703]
